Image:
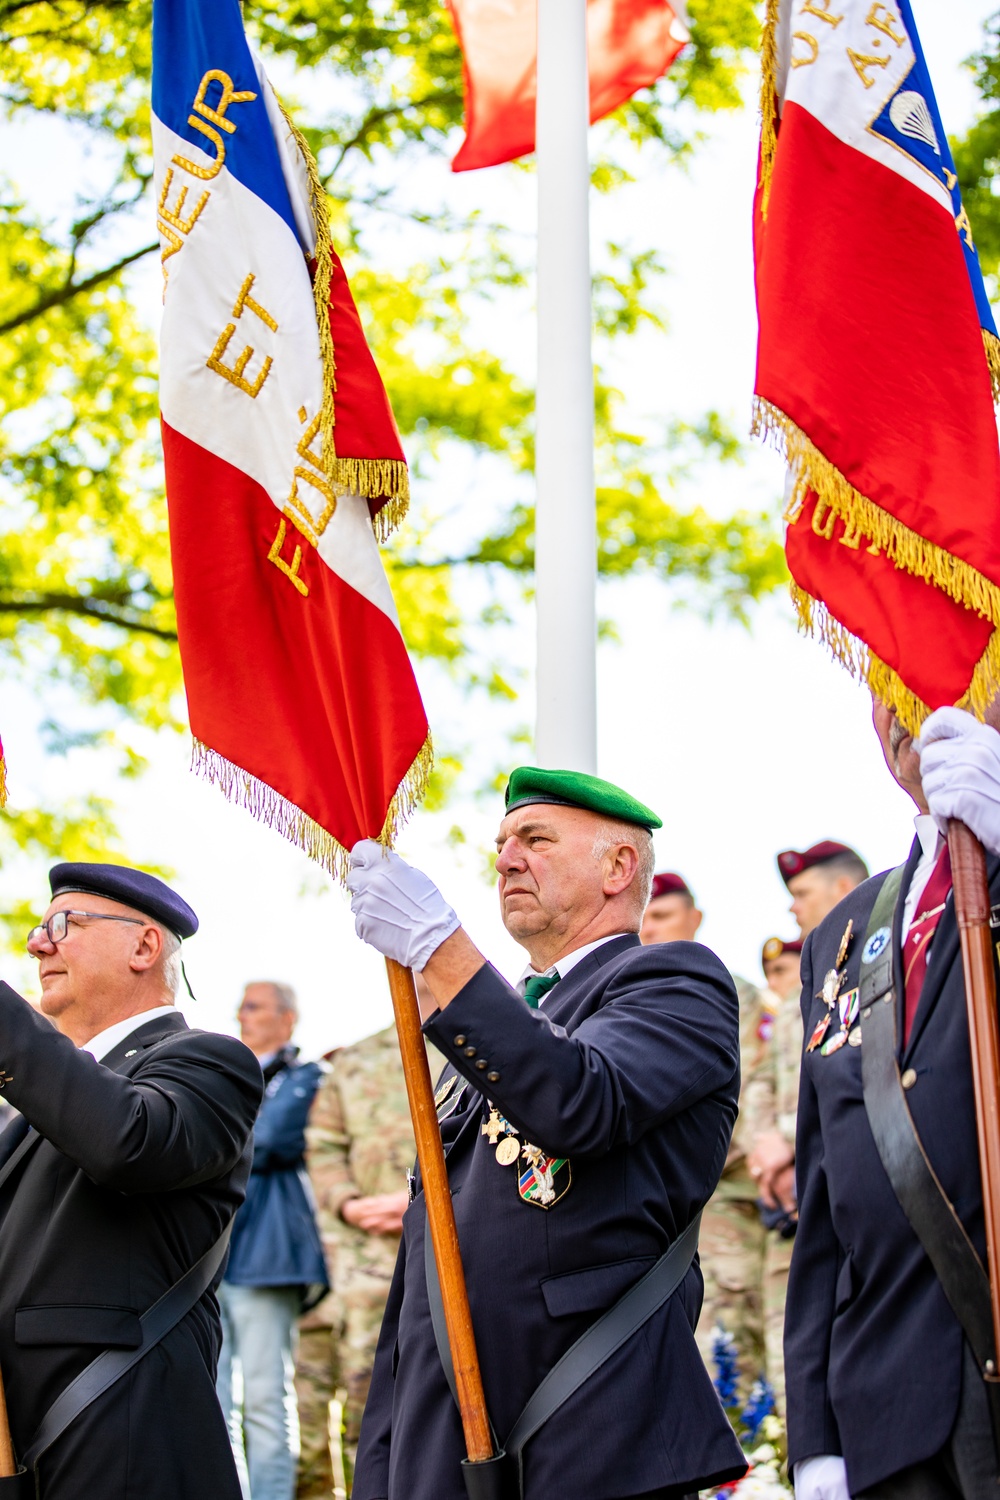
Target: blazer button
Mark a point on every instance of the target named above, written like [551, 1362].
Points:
[909, 1078]
[481, 1064]
[493, 1077]
[460, 1041]
[470, 1051]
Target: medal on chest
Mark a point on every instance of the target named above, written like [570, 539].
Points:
[544, 1179]
[844, 1007]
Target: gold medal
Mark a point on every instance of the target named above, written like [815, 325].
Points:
[508, 1151]
[854, 1037]
[845, 943]
[494, 1127]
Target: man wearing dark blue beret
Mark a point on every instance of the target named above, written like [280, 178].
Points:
[117, 1188]
[586, 1115]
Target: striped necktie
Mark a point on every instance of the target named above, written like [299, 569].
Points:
[917, 944]
[537, 986]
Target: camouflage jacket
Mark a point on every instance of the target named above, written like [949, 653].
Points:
[756, 1025]
[772, 1096]
[359, 1142]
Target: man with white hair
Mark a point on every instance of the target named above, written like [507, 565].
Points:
[118, 1185]
[586, 1114]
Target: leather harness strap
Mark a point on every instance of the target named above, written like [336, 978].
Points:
[102, 1373]
[614, 1328]
[922, 1198]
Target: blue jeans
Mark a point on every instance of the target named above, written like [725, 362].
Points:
[256, 1386]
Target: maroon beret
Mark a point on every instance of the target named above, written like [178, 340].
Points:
[669, 884]
[775, 947]
[792, 862]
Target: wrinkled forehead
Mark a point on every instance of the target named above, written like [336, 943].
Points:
[87, 901]
[546, 818]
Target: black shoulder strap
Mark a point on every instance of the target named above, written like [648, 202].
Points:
[102, 1373]
[591, 1350]
[914, 1181]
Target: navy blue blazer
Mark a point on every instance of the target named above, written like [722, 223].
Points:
[873, 1352]
[631, 1071]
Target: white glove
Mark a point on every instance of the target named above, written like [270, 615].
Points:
[821, 1478]
[960, 773]
[396, 908]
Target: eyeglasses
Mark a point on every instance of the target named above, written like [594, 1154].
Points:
[56, 927]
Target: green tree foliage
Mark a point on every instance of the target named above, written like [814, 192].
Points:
[85, 587]
[977, 153]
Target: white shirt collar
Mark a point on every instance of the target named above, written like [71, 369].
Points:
[928, 833]
[101, 1045]
[569, 961]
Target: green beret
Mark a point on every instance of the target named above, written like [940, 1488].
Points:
[529, 784]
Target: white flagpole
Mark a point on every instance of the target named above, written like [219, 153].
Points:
[565, 521]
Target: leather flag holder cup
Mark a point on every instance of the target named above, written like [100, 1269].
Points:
[19, 1486]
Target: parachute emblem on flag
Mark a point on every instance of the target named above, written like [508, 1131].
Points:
[910, 115]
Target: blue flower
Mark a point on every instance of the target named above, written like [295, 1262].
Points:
[760, 1404]
[726, 1364]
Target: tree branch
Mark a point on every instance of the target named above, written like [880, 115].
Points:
[101, 611]
[388, 112]
[71, 289]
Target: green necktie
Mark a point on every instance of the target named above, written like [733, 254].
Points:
[537, 986]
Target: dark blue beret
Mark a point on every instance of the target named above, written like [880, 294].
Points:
[132, 888]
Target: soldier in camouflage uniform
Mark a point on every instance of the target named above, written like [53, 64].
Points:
[817, 879]
[770, 1103]
[732, 1239]
[359, 1149]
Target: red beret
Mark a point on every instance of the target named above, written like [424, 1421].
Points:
[775, 947]
[792, 862]
[669, 884]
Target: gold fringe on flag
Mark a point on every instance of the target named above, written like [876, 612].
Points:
[913, 553]
[768, 101]
[3, 780]
[370, 478]
[991, 346]
[862, 663]
[275, 811]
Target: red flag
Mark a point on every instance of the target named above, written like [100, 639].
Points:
[871, 372]
[630, 44]
[282, 461]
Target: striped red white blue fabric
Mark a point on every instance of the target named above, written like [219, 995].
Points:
[875, 356]
[281, 458]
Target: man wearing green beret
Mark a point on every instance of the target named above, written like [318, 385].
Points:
[586, 1115]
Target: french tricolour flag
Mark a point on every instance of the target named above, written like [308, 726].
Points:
[875, 354]
[282, 459]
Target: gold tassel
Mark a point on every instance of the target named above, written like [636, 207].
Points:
[903, 547]
[768, 101]
[409, 793]
[991, 346]
[3, 781]
[321, 290]
[369, 477]
[275, 811]
[884, 681]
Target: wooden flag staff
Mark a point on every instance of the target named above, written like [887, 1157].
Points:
[8, 1463]
[440, 1216]
[972, 913]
